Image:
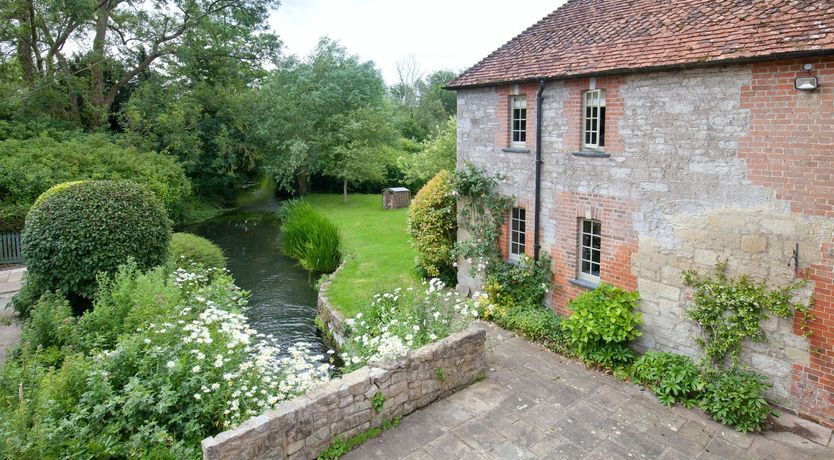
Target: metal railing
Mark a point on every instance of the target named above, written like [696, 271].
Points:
[10, 250]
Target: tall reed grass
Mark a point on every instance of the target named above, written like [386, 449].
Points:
[309, 237]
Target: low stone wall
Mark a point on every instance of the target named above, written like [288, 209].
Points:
[305, 426]
[330, 317]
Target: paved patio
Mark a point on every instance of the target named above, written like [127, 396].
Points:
[9, 333]
[536, 404]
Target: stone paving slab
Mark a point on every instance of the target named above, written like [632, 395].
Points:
[9, 332]
[10, 281]
[537, 404]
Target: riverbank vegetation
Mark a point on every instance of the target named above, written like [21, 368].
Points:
[309, 237]
[375, 242]
[187, 249]
[162, 361]
[132, 347]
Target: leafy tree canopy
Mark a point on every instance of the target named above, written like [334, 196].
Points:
[322, 114]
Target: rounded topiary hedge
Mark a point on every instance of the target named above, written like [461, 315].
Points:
[186, 249]
[81, 229]
[432, 223]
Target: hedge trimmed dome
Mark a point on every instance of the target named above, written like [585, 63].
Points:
[77, 230]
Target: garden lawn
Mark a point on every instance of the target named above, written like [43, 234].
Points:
[376, 246]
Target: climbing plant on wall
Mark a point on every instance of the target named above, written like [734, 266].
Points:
[482, 211]
[729, 310]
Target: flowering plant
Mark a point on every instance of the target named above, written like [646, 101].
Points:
[402, 320]
[189, 367]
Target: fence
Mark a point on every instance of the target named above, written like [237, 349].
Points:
[10, 252]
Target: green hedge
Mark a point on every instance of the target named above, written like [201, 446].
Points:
[90, 227]
[30, 167]
[186, 249]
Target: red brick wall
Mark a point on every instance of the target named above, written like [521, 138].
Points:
[613, 112]
[790, 149]
[619, 242]
[528, 90]
[790, 145]
[814, 384]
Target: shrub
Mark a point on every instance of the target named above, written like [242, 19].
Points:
[736, 398]
[187, 249]
[188, 370]
[602, 322]
[538, 323]
[519, 285]
[673, 378]
[309, 237]
[30, 167]
[51, 323]
[432, 223]
[125, 301]
[89, 228]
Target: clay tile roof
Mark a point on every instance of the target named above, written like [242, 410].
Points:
[593, 37]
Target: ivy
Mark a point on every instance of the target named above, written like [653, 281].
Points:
[729, 310]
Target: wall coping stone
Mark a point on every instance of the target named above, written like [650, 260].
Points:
[305, 426]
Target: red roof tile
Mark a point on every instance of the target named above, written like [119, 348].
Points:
[587, 37]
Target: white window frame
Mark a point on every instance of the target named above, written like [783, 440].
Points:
[516, 243]
[592, 122]
[587, 251]
[518, 137]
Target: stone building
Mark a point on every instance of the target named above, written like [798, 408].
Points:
[672, 134]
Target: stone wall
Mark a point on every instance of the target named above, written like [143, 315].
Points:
[305, 426]
[725, 162]
[330, 317]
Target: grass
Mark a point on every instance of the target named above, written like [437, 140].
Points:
[376, 246]
[340, 446]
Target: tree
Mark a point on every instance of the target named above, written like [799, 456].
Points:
[120, 39]
[361, 156]
[407, 90]
[308, 111]
[436, 154]
[436, 103]
[422, 105]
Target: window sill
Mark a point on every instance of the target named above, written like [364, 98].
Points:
[591, 154]
[584, 283]
[515, 150]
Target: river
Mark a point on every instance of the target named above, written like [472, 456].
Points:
[283, 300]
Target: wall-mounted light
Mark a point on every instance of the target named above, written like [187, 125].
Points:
[806, 83]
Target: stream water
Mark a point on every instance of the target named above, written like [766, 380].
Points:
[282, 301]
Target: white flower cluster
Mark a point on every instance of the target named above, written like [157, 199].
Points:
[399, 321]
[232, 361]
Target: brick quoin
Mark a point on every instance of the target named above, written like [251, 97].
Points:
[790, 149]
[619, 243]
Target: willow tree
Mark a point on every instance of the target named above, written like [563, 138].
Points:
[323, 115]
